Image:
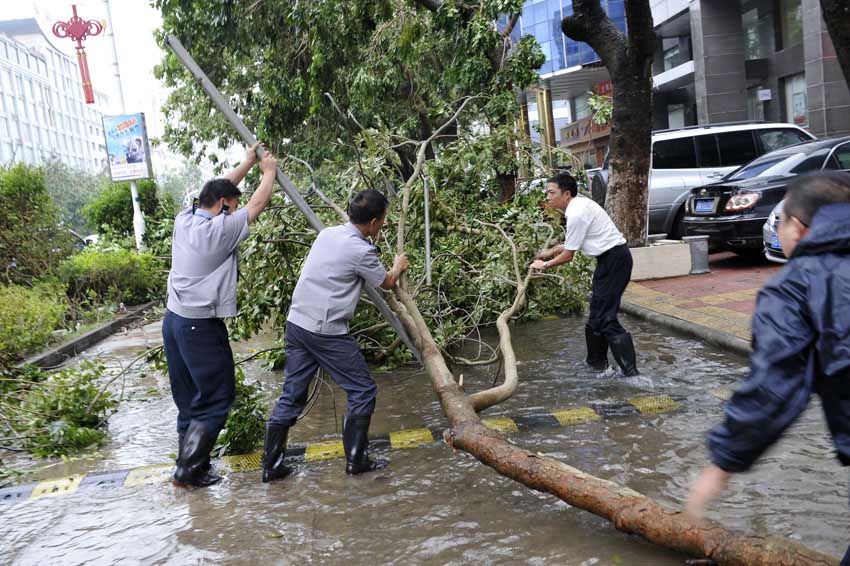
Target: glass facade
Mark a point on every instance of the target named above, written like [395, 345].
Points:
[542, 19]
[792, 22]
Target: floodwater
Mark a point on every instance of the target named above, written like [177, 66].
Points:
[433, 505]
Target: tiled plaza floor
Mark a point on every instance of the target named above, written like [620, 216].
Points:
[723, 300]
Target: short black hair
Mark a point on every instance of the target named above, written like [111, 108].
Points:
[217, 189]
[807, 193]
[565, 182]
[366, 206]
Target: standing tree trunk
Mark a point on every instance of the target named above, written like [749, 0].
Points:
[628, 58]
[836, 14]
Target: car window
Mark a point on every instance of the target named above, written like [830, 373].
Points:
[674, 154]
[777, 139]
[840, 158]
[707, 152]
[810, 163]
[736, 148]
[783, 164]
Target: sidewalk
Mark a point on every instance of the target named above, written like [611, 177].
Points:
[716, 306]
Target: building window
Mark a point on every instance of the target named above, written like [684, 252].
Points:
[671, 55]
[582, 108]
[792, 22]
[758, 34]
[676, 116]
[796, 105]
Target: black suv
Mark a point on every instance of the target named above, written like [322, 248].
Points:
[732, 212]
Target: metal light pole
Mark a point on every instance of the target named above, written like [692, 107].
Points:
[427, 233]
[138, 217]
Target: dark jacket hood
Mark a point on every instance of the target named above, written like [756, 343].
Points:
[829, 233]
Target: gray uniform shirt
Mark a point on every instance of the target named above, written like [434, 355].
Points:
[328, 289]
[204, 261]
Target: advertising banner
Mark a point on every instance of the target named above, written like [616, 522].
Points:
[127, 146]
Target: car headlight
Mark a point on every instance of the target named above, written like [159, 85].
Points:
[742, 201]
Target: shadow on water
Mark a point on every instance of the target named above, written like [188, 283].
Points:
[433, 505]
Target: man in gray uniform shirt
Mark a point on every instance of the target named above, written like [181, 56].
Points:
[328, 290]
[201, 292]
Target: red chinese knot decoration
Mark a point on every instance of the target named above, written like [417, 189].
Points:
[78, 29]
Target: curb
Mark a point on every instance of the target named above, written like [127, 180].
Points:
[59, 354]
[705, 333]
[333, 449]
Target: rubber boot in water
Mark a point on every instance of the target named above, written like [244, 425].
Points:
[194, 456]
[355, 441]
[274, 452]
[597, 349]
[206, 466]
[624, 352]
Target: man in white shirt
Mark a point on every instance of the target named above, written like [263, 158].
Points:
[591, 230]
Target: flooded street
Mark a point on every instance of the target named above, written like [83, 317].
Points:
[433, 505]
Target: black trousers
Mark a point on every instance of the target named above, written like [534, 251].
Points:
[612, 274]
[340, 356]
[200, 368]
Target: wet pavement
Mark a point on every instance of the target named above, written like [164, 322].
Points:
[723, 300]
[433, 505]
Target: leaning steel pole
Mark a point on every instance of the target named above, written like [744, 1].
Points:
[285, 182]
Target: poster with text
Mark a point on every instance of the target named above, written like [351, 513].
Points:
[127, 146]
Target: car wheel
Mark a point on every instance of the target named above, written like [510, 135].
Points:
[677, 229]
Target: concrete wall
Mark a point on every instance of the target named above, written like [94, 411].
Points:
[828, 94]
[719, 74]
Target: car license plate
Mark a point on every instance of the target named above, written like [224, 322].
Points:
[774, 242]
[704, 205]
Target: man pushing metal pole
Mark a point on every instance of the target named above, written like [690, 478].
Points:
[285, 182]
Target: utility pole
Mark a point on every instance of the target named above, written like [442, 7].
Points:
[138, 218]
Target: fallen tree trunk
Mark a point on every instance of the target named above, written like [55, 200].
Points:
[630, 511]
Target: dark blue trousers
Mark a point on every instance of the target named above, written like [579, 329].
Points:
[339, 356]
[612, 274]
[200, 368]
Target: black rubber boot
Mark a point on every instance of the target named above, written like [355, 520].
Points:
[206, 466]
[355, 441]
[624, 352]
[274, 452]
[597, 349]
[194, 457]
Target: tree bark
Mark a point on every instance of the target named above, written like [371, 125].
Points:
[628, 58]
[836, 14]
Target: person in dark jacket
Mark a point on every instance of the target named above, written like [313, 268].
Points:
[801, 339]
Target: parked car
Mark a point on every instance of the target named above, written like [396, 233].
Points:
[770, 236]
[695, 156]
[732, 212]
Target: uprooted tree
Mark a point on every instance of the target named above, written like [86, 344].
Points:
[476, 280]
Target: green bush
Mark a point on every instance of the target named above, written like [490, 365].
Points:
[64, 411]
[112, 276]
[28, 316]
[30, 229]
[246, 421]
[112, 209]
